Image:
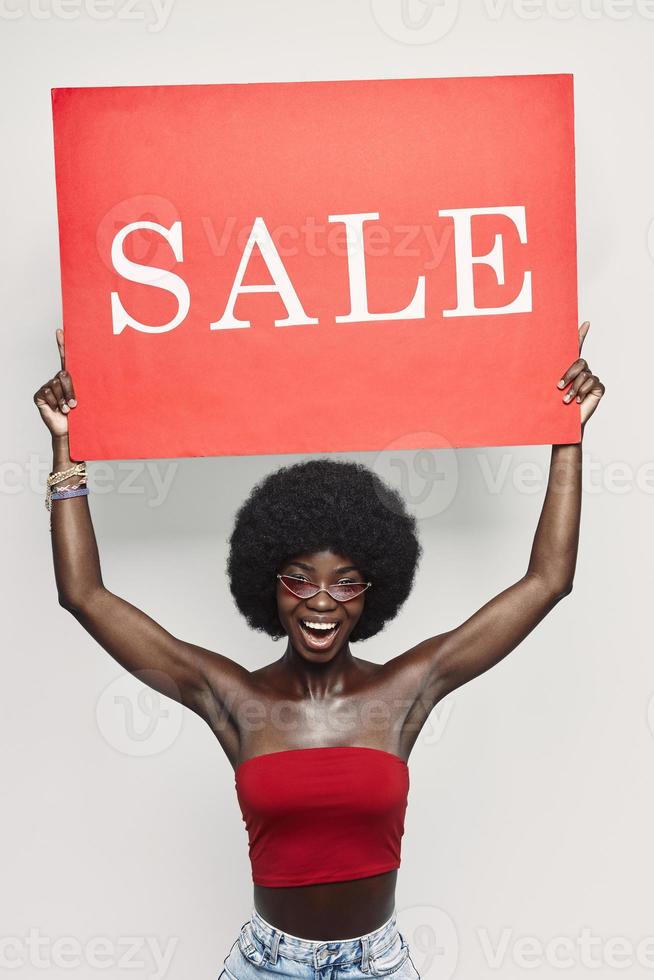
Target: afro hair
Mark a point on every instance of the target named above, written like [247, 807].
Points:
[322, 504]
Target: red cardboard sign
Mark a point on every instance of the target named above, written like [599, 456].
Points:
[317, 267]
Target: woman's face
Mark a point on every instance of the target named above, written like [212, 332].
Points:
[323, 568]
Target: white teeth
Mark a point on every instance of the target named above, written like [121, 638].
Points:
[318, 626]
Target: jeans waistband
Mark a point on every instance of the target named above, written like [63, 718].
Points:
[323, 952]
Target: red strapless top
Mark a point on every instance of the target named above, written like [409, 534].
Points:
[330, 813]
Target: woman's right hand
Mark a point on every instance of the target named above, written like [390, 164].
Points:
[56, 397]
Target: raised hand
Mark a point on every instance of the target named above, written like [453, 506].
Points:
[585, 387]
[56, 397]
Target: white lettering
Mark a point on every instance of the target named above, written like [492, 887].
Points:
[356, 261]
[281, 283]
[465, 260]
[148, 275]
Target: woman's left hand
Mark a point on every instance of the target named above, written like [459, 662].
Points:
[585, 387]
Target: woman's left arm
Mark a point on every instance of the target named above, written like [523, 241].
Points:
[453, 658]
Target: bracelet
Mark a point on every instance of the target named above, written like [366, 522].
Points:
[77, 469]
[59, 477]
[62, 494]
[71, 486]
[78, 490]
[49, 495]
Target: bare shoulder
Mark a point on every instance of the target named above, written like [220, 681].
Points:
[416, 677]
[230, 687]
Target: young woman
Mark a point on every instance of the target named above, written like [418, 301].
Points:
[324, 554]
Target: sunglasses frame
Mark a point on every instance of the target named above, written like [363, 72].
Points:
[318, 589]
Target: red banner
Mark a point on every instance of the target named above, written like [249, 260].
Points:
[317, 266]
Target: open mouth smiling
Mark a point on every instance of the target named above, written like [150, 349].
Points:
[319, 634]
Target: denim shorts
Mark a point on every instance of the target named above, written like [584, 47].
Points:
[261, 952]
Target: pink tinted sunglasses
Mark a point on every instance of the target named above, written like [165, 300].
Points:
[342, 592]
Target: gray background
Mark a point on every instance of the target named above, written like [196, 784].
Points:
[529, 816]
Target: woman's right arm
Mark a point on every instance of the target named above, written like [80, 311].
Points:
[206, 682]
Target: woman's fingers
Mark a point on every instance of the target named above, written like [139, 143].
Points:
[59, 334]
[586, 387]
[63, 375]
[67, 387]
[47, 403]
[58, 390]
[583, 330]
[572, 372]
[56, 397]
[591, 399]
[579, 380]
[47, 395]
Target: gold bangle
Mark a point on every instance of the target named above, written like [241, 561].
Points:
[77, 469]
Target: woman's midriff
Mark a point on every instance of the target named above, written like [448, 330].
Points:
[333, 910]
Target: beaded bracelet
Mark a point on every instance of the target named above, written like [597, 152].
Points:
[77, 490]
[62, 494]
[51, 495]
[66, 489]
